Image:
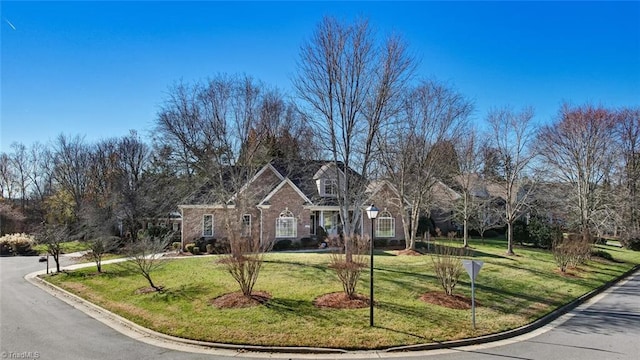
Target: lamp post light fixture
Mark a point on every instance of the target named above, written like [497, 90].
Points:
[372, 213]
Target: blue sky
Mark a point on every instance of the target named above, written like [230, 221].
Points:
[101, 68]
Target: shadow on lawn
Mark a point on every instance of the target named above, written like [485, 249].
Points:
[323, 267]
[183, 292]
[297, 308]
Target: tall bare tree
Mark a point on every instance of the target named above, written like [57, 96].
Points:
[578, 149]
[7, 176]
[226, 127]
[468, 178]
[41, 170]
[20, 162]
[413, 153]
[512, 136]
[71, 158]
[628, 135]
[351, 84]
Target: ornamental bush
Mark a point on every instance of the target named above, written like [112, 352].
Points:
[17, 244]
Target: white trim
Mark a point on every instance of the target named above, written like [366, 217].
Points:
[210, 206]
[322, 208]
[182, 230]
[319, 174]
[257, 175]
[287, 215]
[285, 181]
[388, 217]
[334, 186]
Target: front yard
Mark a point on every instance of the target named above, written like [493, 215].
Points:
[511, 292]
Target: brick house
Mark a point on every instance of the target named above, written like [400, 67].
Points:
[283, 203]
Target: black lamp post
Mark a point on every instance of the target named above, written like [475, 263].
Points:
[372, 213]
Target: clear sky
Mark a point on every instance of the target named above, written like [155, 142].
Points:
[101, 68]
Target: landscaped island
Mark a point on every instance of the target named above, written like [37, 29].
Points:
[510, 290]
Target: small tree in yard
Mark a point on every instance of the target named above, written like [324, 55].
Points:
[100, 246]
[571, 250]
[447, 265]
[52, 236]
[244, 261]
[144, 256]
[349, 270]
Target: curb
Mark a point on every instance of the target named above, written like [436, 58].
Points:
[118, 323]
[545, 320]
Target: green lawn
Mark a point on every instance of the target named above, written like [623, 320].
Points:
[67, 247]
[512, 291]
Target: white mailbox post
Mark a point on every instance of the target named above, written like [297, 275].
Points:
[473, 268]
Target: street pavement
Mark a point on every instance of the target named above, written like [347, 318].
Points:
[36, 325]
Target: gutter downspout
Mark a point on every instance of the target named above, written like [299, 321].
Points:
[261, 241]
[182, 228]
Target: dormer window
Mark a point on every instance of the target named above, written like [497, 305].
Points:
[330, 187]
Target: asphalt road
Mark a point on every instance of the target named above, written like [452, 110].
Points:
[36, 325]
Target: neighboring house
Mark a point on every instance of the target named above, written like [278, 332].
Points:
[172, 221]
[284, 203]
[442, 207]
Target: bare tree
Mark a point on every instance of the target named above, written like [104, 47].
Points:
[578, 149]
[447, 265]
[413, 148]
[71, 158]
[41, 170]
[468, 178]
[53, 236]
[145, 257]
[628, 135]
[7, 176]
[349, 271]
[351, 84]
[244, 262]
[485, 215]
[225, 130]
[100, 246]
[20, 161]
[512, 135]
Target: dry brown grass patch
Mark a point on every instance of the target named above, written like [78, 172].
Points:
[237, 300]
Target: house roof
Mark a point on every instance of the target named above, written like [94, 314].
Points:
[302, 177]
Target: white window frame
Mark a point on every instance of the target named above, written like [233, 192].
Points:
[282, 229]
[246, 226]
[204, 230]
[175, 226]
[385, 218]
[331, 184]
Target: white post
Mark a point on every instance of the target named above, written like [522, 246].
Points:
[473, 297]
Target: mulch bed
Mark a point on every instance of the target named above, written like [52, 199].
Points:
[570, 273]
[237, 300]
[340, 300]
[457, 302]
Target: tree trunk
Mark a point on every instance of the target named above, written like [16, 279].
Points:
[465, 233]
[510, 238]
